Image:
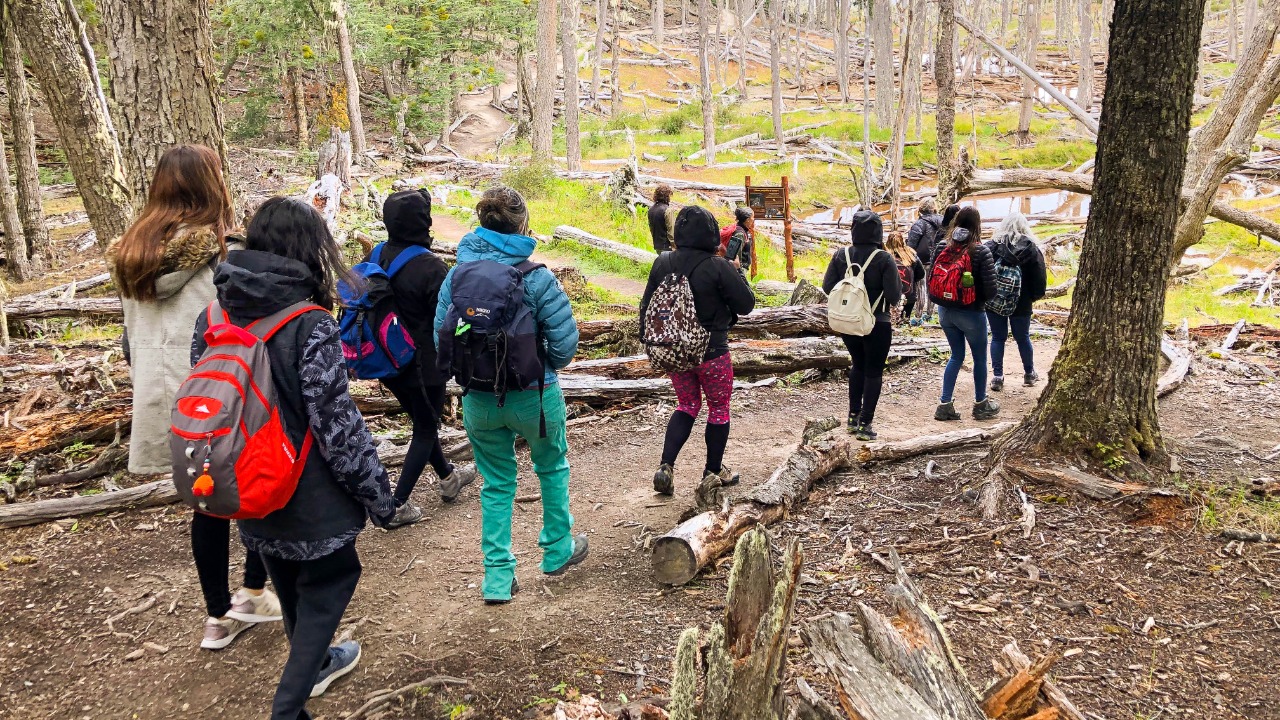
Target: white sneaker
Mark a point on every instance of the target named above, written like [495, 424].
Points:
[250, 608]
[219, 633]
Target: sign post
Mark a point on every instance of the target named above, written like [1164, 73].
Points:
[772, 202]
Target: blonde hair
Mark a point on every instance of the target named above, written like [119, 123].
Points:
[896, 247]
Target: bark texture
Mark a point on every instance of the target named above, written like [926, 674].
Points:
[1028, 41]
[352, 79]
[842, 48]
[944, 76]
[569, 59]
[1108, 409]
[164, 83]
[15, 244]
[775, 74]
[83, 126]
[882, 45]
[1084, 87]
[704, 70]
[544, 93]
[26, 170]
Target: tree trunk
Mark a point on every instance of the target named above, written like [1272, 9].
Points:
[842, 48]
[82, 122]
[39, 247]
[1107, 409]
[1084, 87]
[775, 74]
[164, 84]
[15, 244]
[944, 75]
[1250, 17]
[1233, 35]
[915, 13]
[298, 101]
[659, 23]
[598, 52]
[882, 42]
[615, 54]
[1028, 42]
[352, 79]
[544, 94]
[1104, 23]
[569, 59]
[704, 70]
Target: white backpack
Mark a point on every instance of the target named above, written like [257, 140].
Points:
[849, 310]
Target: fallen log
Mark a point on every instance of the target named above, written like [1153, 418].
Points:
[1050, 693]
[159, 492]
[774, 287]
[55, 429]
[736, 142]
[582, 237]
[1068, 478]
[1179, 365]
[887, 451]
[1059, 290]
[787, 321]
[74, 287]
[112, 459]
[31, 307]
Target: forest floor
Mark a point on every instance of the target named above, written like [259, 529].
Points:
[607, 629]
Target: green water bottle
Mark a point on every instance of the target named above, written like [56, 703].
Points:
[966, 280]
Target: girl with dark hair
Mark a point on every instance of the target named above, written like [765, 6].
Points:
[963, 278]
[738, 251]
[661, 219]
[308, 546]
[163, 267]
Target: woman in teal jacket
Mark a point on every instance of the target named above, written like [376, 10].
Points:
[502, 237]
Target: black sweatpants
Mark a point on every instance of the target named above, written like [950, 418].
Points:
[425, 405]
[869, 353]
[313, 596]
[209, 539]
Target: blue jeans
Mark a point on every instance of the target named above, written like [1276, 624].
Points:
[1000, 327]
[961, 327]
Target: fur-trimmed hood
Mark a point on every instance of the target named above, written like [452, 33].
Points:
[191, 248]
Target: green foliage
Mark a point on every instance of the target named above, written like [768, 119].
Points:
[256, 118]
[533, 181]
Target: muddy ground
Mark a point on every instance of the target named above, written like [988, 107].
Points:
[1103, 570]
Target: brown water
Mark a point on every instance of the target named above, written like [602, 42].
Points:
[1035, 204]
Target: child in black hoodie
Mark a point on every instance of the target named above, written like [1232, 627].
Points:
[868, 353]
[720, 295]
[308, 545]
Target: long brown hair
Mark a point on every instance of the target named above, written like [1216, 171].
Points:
[896, 247]
[188, 189]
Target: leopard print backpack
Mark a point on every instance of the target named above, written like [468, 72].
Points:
[673, 338]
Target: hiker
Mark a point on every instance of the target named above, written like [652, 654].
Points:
[921, 238]
[163, 268]
[738, 249]
[420, 388]
[866, 258]
[661, 219]
[719, 296]
[960, 283]
[910, 270]
[1014, 246]
[308, 545]
[514, 390]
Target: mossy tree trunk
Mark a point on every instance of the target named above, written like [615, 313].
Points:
[1101, 396]
[944, 76]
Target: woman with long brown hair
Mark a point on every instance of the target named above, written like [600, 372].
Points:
[163, 268]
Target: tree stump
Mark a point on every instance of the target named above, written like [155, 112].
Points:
[806, 293]
[334, 156]
[746, 652]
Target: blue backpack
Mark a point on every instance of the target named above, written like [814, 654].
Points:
[489, 340]
[375, 343]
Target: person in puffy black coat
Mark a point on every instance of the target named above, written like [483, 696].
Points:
[421, 387]
[720, 295]
[868, 353]
[1015, 244]
[965, 323]
[926, 231]
[661, 219]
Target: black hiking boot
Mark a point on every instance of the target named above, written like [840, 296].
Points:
[664, 481]
[986, 410]
[580, 551]
[946, 411]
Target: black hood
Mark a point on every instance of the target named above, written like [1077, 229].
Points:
[867, 228]
[407, 215]
[697, 229]
[254, 284]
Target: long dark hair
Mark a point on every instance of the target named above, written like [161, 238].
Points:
[293, 229]
[188, 189]
[969, 219]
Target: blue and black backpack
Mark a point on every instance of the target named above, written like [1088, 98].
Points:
[375, 343]
[489, 340]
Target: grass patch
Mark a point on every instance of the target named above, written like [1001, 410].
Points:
[1233, 506]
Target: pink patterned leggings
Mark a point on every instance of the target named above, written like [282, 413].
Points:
[714, 378]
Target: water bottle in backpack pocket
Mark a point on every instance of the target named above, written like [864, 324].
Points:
[849, 309]
[375, 342]
[231, 454]
[947, 279]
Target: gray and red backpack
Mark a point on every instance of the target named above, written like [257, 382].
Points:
[231, 455]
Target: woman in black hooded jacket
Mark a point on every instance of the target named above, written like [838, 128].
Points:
[720, 295]
[868, 353]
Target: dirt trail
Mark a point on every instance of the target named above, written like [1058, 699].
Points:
[478, 136]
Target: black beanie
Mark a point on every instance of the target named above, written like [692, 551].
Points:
[867, 228]
[407, 215]
[697, 228]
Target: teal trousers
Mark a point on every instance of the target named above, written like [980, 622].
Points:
[493, 431]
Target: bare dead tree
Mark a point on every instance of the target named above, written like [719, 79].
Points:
[1028, 42]
[704, 70]
[569, 59]
[882, 43]
[544, 93]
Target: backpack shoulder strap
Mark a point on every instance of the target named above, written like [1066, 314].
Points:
[215, 315]
[266, 327]
[527, 266]
[375, 256]
[405, 256]
[848, 263]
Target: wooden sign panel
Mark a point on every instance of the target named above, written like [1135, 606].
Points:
[768, 202]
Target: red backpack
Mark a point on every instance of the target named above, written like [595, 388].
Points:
[231, 455]
[726, 234]
[946, 280]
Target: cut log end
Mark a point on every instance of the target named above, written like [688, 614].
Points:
[674, 562]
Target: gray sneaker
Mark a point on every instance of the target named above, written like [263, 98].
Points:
[341, 660]
[946, 411]
[451, 485]
[1031, 378]
[580, 551]
[986, 410]
[997, 383]
[218, 633]
[406, 514]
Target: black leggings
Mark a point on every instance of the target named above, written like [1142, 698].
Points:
[209, 539]
[313, 596]
[425, 405]
[869, 354]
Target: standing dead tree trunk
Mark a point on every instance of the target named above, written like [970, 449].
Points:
[1084, 87]
[164, 84]
[882, 43]
[746, 651]
[597, 52]
[910, 60]
[83, 124]
[15, 244]
[39, 247]
[352, 79]
[944, 75]
[704, 70]
[615, 73]
[774, 18]
[569, 59]
[1028, 41]
[842, 48]
[544, 94]
[298, 101]
[659, 23]
[1100, 402]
